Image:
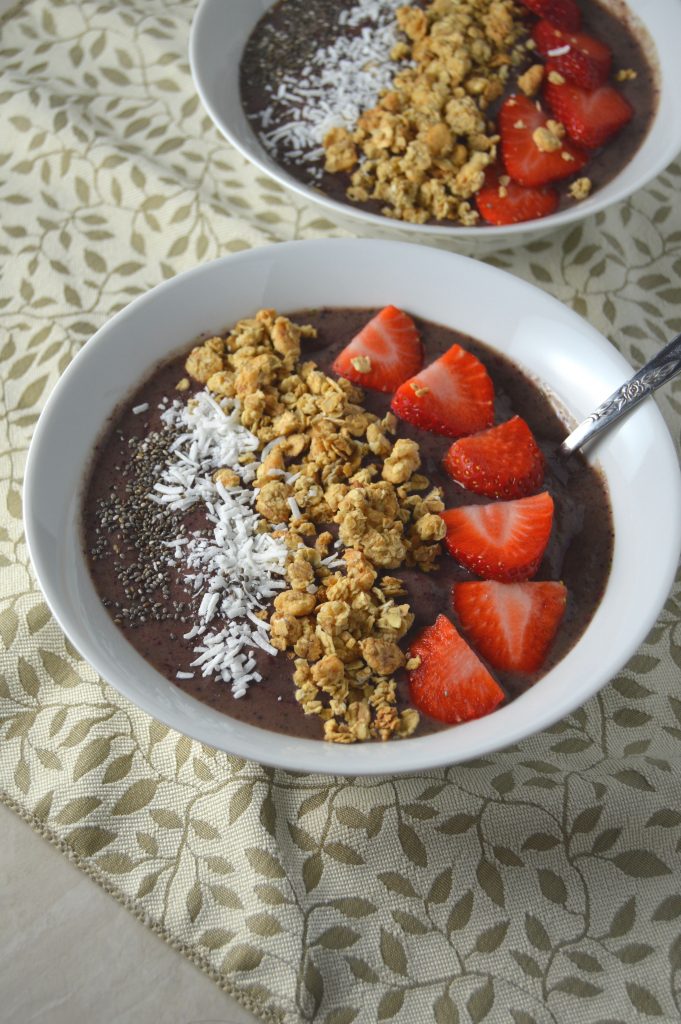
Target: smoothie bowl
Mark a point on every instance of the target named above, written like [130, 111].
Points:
[263, 526]
[485, 123]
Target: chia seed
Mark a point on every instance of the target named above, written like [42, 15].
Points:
[133, 529]
[308, 68]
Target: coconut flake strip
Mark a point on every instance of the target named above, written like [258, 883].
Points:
[235, 568]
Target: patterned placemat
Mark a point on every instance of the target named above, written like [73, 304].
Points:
[537, 885]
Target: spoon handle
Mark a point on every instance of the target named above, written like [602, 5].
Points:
[656, 372]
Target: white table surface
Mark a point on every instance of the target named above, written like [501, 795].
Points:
[69, 952]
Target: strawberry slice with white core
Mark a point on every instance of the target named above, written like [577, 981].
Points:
[450, 683]
[502, 462]
[385, 353]
[504, 540]
[534, 148]
[453, 396]
[590, 118]
[577, 56]
[512, 625]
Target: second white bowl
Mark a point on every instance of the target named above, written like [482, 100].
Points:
[219, 33]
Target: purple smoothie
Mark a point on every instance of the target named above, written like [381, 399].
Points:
[579, 552]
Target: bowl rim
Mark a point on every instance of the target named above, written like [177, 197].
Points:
[295, 753]
[255, 153]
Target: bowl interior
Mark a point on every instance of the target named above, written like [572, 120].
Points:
[571, 359]
[220, 31]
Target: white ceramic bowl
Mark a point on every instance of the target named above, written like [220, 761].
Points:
[575, 363]
[219, 33]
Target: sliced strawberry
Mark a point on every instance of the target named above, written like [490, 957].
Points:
[503, 462]
[512, 625]
[512, 203]
[386, 352]
[576, 55]
[590, 118]
[503, 541]
[520, 120]
[452, 396]
[451, 683]
[564, 13]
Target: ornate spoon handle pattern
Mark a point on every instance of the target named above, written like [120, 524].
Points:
[661, 368]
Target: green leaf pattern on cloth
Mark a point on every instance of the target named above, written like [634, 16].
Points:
[535, 886]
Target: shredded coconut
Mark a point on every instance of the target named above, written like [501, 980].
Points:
[137, 409]
[270, 446]
[335, 86]
[295, 509]
[559, 51]
[236, 569]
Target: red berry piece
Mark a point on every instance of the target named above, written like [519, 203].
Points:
[512, 625]
[384, 354]
[504, 540]
[590, 118]
[532, 146]
[453, 396]
[577, 56]
[503, 201]
[564, 13]
[451, 683]
[503, 462]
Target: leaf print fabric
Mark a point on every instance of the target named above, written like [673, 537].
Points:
[534, 886]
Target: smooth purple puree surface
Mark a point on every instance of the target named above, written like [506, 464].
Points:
[579, 552]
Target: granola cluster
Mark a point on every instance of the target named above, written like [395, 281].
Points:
[330, 467]
[423, 149]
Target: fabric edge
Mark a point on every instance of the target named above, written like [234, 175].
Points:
[267, 1014]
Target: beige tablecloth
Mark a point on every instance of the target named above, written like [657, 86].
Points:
[537, 885]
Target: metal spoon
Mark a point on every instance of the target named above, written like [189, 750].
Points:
[656, 372]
